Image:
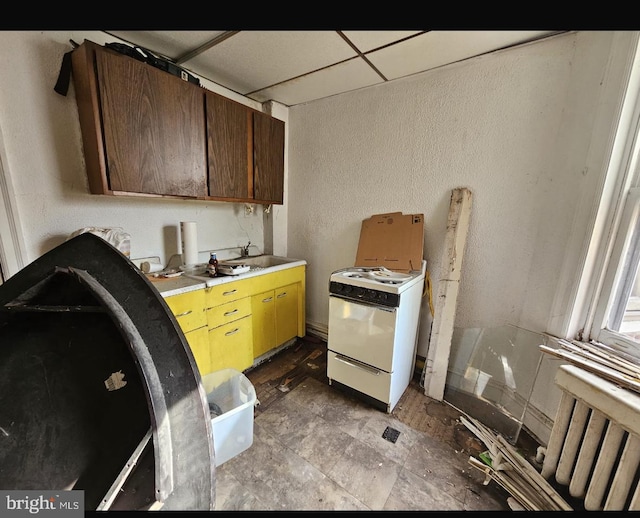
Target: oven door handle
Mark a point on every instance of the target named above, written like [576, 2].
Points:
[355, 363]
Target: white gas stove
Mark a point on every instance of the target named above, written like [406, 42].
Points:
[373, 284]
[374, 314]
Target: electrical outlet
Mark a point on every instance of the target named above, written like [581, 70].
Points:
[248, 209]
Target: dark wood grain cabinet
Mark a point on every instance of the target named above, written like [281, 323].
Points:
[146, 132]
[143, 129]
[268, 158]
[245, 152]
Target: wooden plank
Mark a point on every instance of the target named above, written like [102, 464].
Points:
[434, 374]
[607, 360]
[514, 473]
[594, 367]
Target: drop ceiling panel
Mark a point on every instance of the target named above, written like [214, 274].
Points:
[344, 77]
[369, 40]
[434, 49]
[171, 44]
[291, 67]
[253, 60]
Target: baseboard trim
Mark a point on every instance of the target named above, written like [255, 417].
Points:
[319, 330]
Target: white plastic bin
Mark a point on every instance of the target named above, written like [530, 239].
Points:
[231, 398]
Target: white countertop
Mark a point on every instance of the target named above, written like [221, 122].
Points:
[184, 284]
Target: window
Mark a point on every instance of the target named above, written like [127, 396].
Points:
[614, 316]
[617, 315]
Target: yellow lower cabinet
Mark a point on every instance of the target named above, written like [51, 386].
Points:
[286, 313]
[275, 317]
[188, 308]
[263, 311]
[198, 341]
[230, 345]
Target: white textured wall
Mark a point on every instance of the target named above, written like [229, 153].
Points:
[514, 127]
[496, 125]
[45, 161]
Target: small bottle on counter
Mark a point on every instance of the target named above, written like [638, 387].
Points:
[213, 265]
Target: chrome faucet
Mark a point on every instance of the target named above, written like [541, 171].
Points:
[244, 251]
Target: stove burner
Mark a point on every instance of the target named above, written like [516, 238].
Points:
[379, 275]
[355, 275]
[377, 285]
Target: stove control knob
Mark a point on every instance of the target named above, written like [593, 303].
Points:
[358, 291]
[382, 296]
[348, 288]
[371, 294]
[337, 287]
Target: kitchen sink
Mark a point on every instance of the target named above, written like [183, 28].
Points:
[260, 261]
[254, 262]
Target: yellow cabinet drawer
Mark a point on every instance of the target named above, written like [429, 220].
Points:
[231, 345]
[198, 341]
[269, 281]
[227, 292]
[188, 308]
[228, 312]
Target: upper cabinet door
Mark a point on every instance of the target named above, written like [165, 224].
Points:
[245, 152]
[268, 159]
[153, 127]
[229, 153]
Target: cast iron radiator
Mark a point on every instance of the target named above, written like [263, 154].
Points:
[594, 447]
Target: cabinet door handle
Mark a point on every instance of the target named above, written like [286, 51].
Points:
[268, 299]
[282, 295]
[229, 333]
[229, 313]
[185, 313]
[225, 293]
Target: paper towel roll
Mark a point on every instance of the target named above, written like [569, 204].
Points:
[148, 267]
[189, 238]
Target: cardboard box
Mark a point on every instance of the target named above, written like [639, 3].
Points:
[392, 240]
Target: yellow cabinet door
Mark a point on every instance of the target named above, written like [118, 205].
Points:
[231, 345]
[286, 313]
[198, 341]
[263, 310]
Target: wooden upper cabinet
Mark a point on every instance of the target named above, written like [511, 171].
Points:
[229, 151]
[246, 152]
[146, 132]
[268, 159]
[143, 129]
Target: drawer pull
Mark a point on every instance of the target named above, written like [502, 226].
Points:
[268, 299]
[225, 293]
[282, 295]
[354, 363]
[229, 313]
[229, 333]
[185, 313]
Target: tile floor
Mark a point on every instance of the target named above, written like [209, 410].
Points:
[317, 448]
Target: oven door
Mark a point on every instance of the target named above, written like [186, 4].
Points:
[364, 332]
